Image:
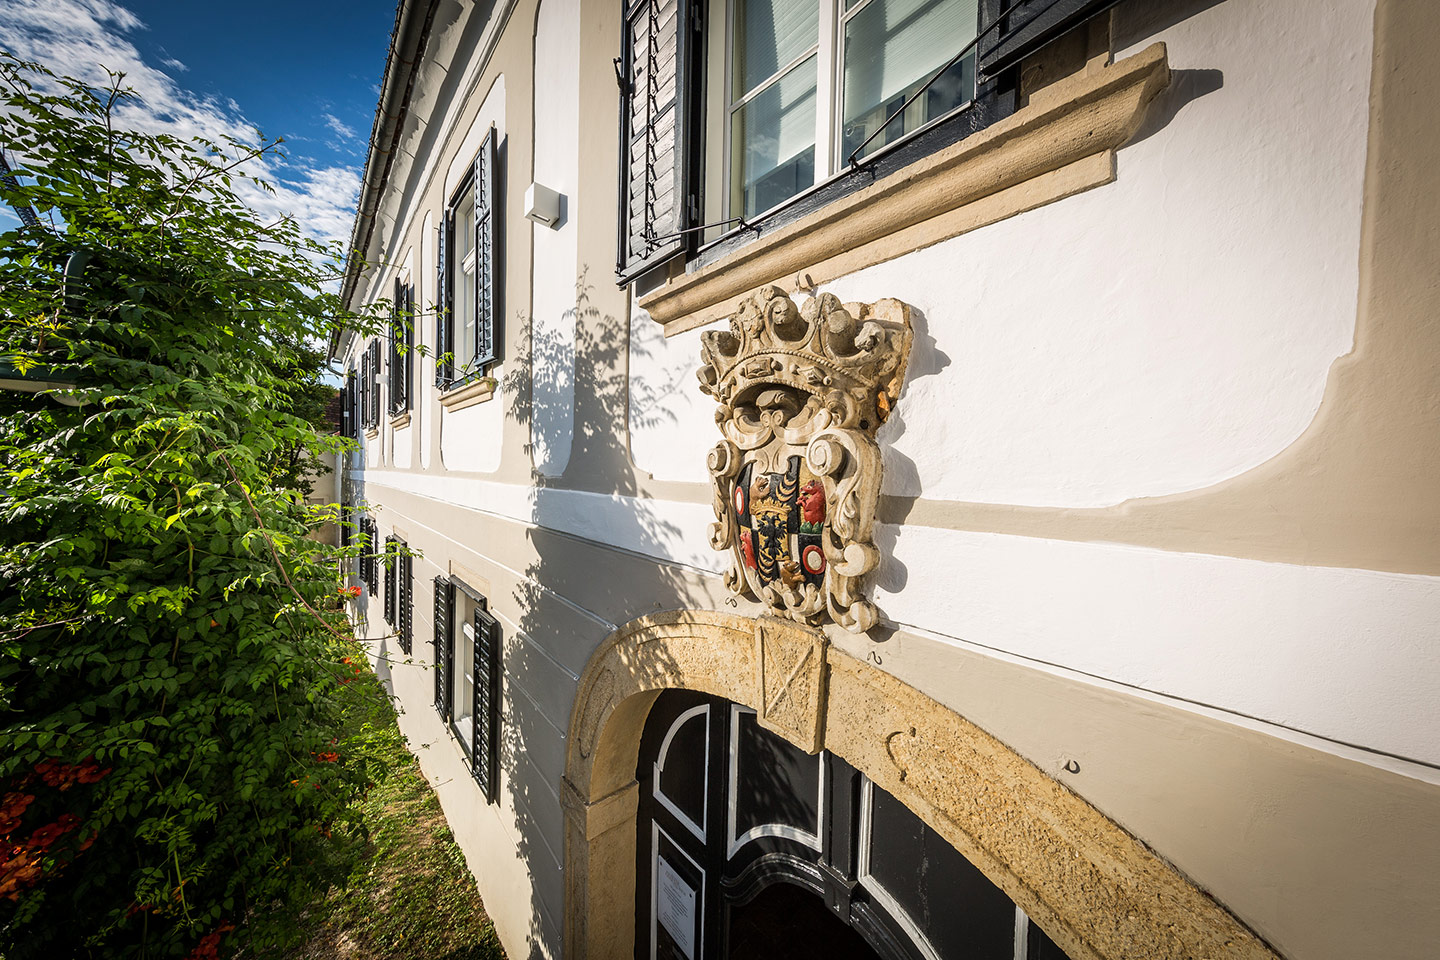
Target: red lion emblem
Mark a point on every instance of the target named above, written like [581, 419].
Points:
[812, 502]
[748, 549]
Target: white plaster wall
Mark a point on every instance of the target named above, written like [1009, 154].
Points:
[557, 159]
[425, 291]
[1160, 334]
[672, 424]
[470, 438]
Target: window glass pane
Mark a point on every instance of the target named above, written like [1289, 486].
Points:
[465, 225]
[465, 316]
[773, 143]
[891, 48]
[770, 34]
[464, 681]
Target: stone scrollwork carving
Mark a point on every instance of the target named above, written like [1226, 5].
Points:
[801, 392]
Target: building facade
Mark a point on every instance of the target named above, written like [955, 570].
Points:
[1045, 561]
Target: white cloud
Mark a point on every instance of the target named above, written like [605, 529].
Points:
[80, 38]
[174, 64]
[339, 126]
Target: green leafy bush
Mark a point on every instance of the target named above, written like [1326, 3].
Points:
[172, 646]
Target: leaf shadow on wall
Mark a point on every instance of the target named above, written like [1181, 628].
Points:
[575, 589]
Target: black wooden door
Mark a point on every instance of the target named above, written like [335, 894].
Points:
[748, 847]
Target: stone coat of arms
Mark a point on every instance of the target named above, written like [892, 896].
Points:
[801, 393]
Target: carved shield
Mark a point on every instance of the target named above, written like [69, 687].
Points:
[801, 393]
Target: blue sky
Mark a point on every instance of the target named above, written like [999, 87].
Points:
[305, 70]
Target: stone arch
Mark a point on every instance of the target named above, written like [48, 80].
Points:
[1095, 889]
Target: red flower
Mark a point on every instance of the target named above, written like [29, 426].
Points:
[327, 757]
[13, 805]
[90, 772]
[44, 836]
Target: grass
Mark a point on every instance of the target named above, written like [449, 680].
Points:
[409, 894]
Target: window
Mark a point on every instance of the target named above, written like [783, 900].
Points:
[369, 386]
[354, 397]
[372, 386]
[468, 314]
[402, 339]
[816, 97]
[365, 376]
[347, 418]
[467, 677]
[368, 536]
[790, 125]
[390, 572]
[399, 586]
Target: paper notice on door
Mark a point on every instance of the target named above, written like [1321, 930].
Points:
[675, 907]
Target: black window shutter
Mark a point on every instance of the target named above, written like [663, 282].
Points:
[372, 546]
[390, 579]
[365, 388]
[658, 97]
[444, 645]
[1027, 25]
[407, 600]
[374, 383]
[487, 325]
[442, 303]
[395, 370]
[409, 332]
[485, 707]
[345, 409]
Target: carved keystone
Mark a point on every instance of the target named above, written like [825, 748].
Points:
[790, 681]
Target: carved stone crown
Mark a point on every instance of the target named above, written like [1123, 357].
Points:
[801, 392]
[852, 355]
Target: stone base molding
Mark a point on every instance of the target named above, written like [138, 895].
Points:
[468, 395]
[1095, 889]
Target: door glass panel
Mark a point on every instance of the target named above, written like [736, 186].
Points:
[770, 34]
[951, 903]
[463, 683]
[891, 48]
[680, 774]
[773, 142]
[776, 786]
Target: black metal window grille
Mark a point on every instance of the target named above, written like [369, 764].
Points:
[468, 304]
[402, 341]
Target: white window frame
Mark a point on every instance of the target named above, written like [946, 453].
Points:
[829, 88]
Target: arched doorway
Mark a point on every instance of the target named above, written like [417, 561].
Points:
[1091, 887]
[749, 847]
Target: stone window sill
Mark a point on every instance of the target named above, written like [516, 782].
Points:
[400, 420]
[1061, 143]
[372, 433]
[470, 394]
